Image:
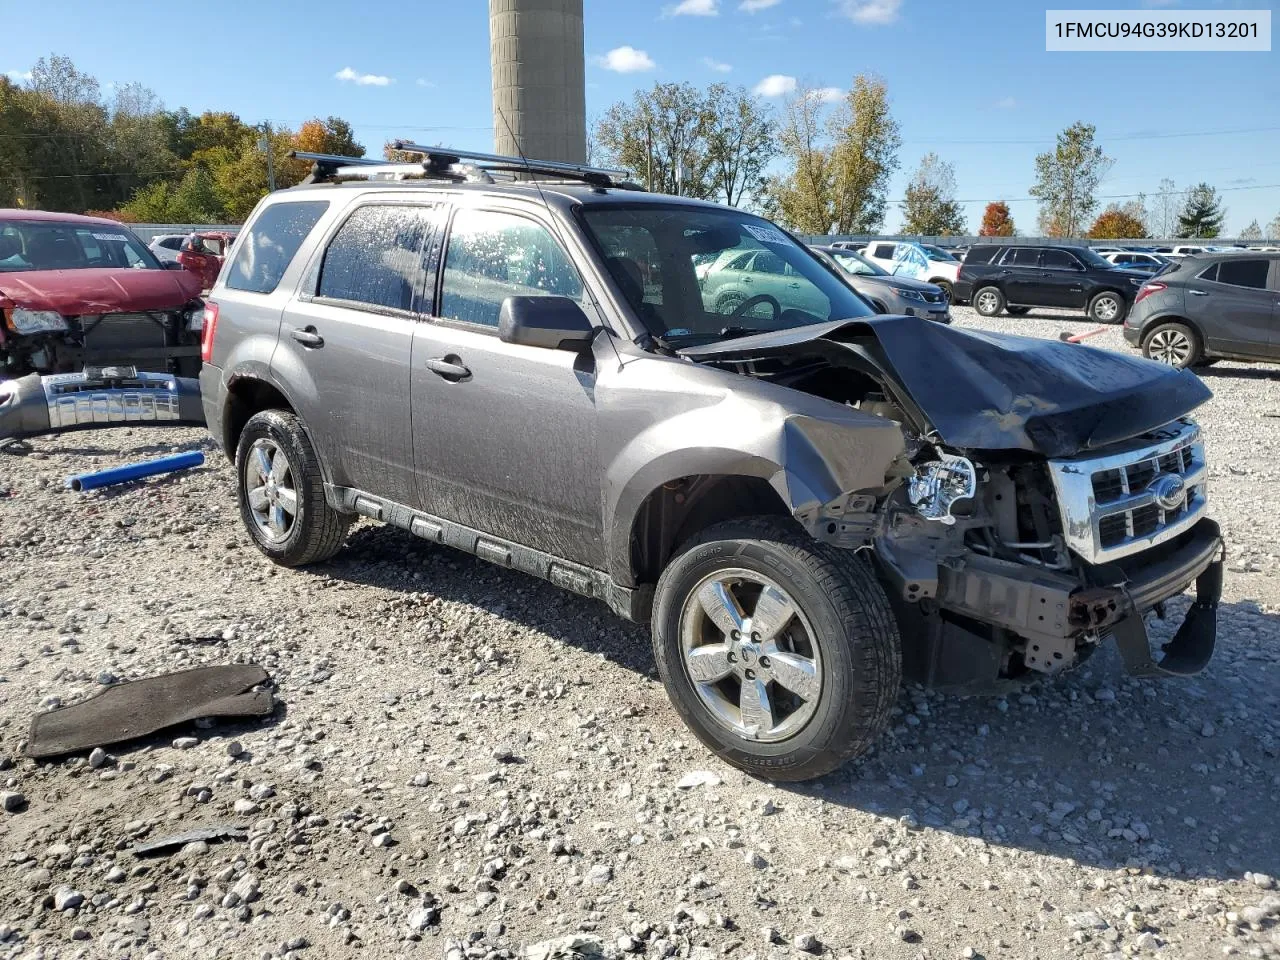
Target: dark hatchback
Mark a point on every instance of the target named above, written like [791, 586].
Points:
[1209, 306]
[1016, 277]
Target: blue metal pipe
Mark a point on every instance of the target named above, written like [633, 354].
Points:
[135, 471]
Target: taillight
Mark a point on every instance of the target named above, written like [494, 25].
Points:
[1147, 290]
[207, 331]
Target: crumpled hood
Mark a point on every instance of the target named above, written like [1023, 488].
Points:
[899, 283]
[99, 290]
[992, 391]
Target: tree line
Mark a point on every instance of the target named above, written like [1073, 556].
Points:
[65, 145]
[821, 163]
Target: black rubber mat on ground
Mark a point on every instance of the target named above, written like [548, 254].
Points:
[130, 710]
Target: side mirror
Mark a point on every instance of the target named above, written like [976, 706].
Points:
[556, 323]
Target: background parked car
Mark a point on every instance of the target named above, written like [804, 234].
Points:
[203, 254]
[887, 293]
[1017, 277]
[1180, 250]
[739, 276]
[167, 246]
[938, 266]
[1209, 306]
[1138, 261]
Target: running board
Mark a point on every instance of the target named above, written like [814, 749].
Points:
[96, 397]
[632, 603]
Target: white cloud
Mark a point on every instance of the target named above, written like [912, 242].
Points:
[424, 83]
[693, 8]
[716, 65]
[625, 60]
[754, 6]
[828, 94]
[1006, 103]
[871, 12]
[18, 74]
[775, 85]
[347, 75]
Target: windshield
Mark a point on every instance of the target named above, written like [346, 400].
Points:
[760, 279]
[40, 245]
[855, 264]
[937, 253]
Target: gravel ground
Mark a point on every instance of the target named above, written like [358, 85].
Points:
[468, 762]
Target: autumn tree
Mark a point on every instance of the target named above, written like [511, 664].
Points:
[332, 135]
[996, 221]
[1067, 179]
[864, 155]
[803, 199]
[1114, 223]
[742, 141]
[931, 208]
[1202, 213]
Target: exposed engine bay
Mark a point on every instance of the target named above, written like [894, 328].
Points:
[160, 341]
[1021, 556]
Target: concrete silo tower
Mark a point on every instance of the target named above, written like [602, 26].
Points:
[539, 85]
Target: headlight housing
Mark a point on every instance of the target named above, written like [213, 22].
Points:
[22, 320]
[911, 295]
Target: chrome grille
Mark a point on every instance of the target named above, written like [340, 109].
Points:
[1110, 502]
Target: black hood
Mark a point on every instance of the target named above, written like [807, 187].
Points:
[993, 391]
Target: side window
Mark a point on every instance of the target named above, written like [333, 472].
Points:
[172, 243]
[1244, 273]
[980, 255]
[492, 256]
[376, 258]
[1059, 260]
[884, 251]
[271, 243]
[1020, 257]
[1210, 274]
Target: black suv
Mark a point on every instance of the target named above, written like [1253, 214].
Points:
[1017, 277]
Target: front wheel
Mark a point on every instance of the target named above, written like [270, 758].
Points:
[781, 653]
[988, 301]
[1107, 307]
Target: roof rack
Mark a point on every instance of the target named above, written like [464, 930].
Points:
[458, 166]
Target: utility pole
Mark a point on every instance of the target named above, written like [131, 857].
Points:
[264, 144]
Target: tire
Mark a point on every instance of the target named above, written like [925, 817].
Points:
[1017, 311]
[1173, 343]
[946, 289]
[843, 632]
[315, 531]
[729, 302]
[1107, 307]
[988, 301]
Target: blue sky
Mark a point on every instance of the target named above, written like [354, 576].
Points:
[969, 79]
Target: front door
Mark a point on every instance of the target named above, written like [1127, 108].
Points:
[505, 435]
[1061, 279]
[351, 330]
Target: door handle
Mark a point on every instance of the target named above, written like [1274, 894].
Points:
[746, 279]
[308, 337]
[1198, 293]
[449, 368]
[794, 286]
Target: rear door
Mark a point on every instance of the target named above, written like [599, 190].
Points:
[1061, 279]
[1234, 302]
[1019, 273]
[505, 435]
[351, 328]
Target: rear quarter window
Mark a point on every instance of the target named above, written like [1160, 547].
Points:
[980, 255]
[270, 244]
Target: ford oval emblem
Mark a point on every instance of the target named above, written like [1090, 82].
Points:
[1169, 491]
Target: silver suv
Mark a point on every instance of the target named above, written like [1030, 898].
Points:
[801, 498]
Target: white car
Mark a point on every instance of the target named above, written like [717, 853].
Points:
[1180, 251]
[167, 245]
[1128, 258]
[943, 267]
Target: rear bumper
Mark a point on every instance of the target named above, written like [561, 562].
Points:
[1132, 335]
[961, 291]
[211, 395]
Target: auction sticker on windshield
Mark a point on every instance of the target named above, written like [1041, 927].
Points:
[1158, 30]
[767, 234]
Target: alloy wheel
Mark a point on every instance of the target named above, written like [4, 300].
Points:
[269, 486]
[1106, 309]
[751, 655]
[987, 303]
[1170, 346]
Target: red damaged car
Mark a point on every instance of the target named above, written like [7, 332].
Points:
[81, 291]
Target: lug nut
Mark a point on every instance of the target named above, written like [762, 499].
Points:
[751, 674]
[764, 663]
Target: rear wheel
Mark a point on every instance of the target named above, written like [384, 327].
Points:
[988, 301]
[1107, 307]
[780, 653]
[1173, 343]
[281, 492]
[945, 285]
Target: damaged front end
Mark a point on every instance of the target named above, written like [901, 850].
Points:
[1050, 500]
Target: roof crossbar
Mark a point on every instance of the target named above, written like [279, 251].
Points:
[447, 163]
